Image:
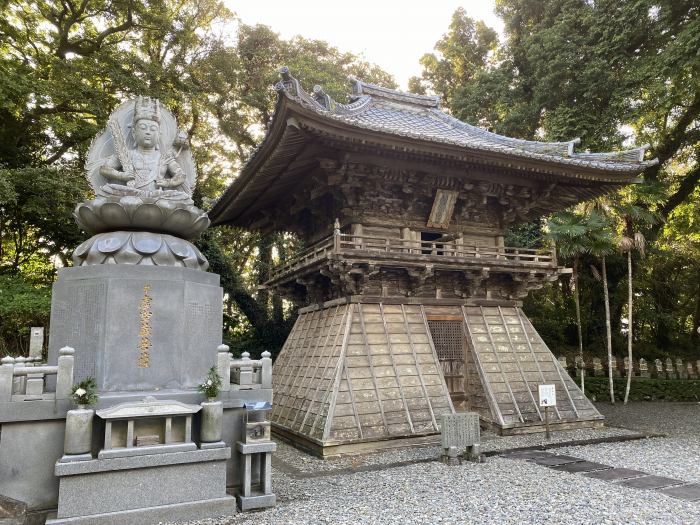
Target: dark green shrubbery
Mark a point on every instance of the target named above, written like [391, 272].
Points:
[644, 389]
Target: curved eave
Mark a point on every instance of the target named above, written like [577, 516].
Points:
[293, 121]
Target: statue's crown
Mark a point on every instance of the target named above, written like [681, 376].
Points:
[146, 108]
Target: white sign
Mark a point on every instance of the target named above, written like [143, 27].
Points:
[548, 396]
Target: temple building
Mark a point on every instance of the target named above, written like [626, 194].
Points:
[410, 303]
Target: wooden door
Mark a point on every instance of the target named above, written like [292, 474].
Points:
[449, 339]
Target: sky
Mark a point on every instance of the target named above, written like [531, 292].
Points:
[393, 34]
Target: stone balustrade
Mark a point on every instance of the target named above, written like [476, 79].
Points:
[24, 378]
[244, 373]
[657, 369]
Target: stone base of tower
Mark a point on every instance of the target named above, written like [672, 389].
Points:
[363, 375]
[358, 374]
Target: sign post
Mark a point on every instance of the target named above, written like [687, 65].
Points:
[548, 398]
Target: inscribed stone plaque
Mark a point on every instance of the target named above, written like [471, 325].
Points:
[460, 430]
[36, 341]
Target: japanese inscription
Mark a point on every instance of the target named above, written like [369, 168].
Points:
[145, 315]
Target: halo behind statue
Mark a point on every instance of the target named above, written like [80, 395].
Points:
[170, 139]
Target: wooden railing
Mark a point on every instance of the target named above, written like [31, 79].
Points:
[348, 244]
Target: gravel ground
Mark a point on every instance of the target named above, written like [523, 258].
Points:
[490, 443]
[676, 456]
[499, 491]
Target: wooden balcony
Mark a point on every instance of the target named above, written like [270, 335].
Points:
[402, 253]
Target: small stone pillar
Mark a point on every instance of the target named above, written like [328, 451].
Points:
[692, 373]
[598, 367]
[223, 367]
[212, 424]
[681, 370]
[256, 441]
[643, 368]
[670, 370]
[7, 373]
[658, 370]
[612, 365]
[36, 341]
[64, 376]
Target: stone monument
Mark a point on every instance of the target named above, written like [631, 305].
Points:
[137, 307]
[145, 321]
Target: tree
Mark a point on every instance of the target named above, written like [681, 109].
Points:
[576, 234]
[65, 66]
[632, 217]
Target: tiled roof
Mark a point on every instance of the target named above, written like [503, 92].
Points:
[419, 117]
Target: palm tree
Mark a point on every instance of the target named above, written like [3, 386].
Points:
[576, 234]
[632, 217]
[602, 250]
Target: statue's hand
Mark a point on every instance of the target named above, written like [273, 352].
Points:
[163, 183]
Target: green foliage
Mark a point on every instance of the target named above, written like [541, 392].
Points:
[616, 74]
[85, 392]
[22, 305]
[65, 66]
[211, 385]
[645, 389]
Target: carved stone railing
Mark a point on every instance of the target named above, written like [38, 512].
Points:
[24, 378]
[244, 373]
[451, 251]
[658, 369]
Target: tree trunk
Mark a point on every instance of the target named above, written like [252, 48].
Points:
[629, 326]
[578, 326]
[608, 329]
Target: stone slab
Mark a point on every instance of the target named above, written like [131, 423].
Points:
[139, 488]
[650, 482]
[459, 430]
[555, 460]
[615, 474]
[256, 448]
[527, 454]
[146, 450]
[581, 466]
[261, 501]
[28, 454]
[114, 315]
[136, 462]
[689, 492]
[212, 508]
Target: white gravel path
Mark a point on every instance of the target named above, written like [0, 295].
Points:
[500, 491]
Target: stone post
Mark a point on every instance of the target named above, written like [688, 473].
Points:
[266, 375]
[36, 341]
[658, 372]
[245, 380]
[598, 367]
[6, 378]
[643, 368]
[613, 365]
[64, 376]
[692, 374]
[670, 372]
[20, 382]
[680, 369]
[223, 367]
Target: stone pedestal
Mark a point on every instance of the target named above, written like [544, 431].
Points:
[137, 328]
[174, 486]
[250, 497]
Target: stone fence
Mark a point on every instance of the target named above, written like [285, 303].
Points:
[244, 373]
[657, 369]
[24, 378]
